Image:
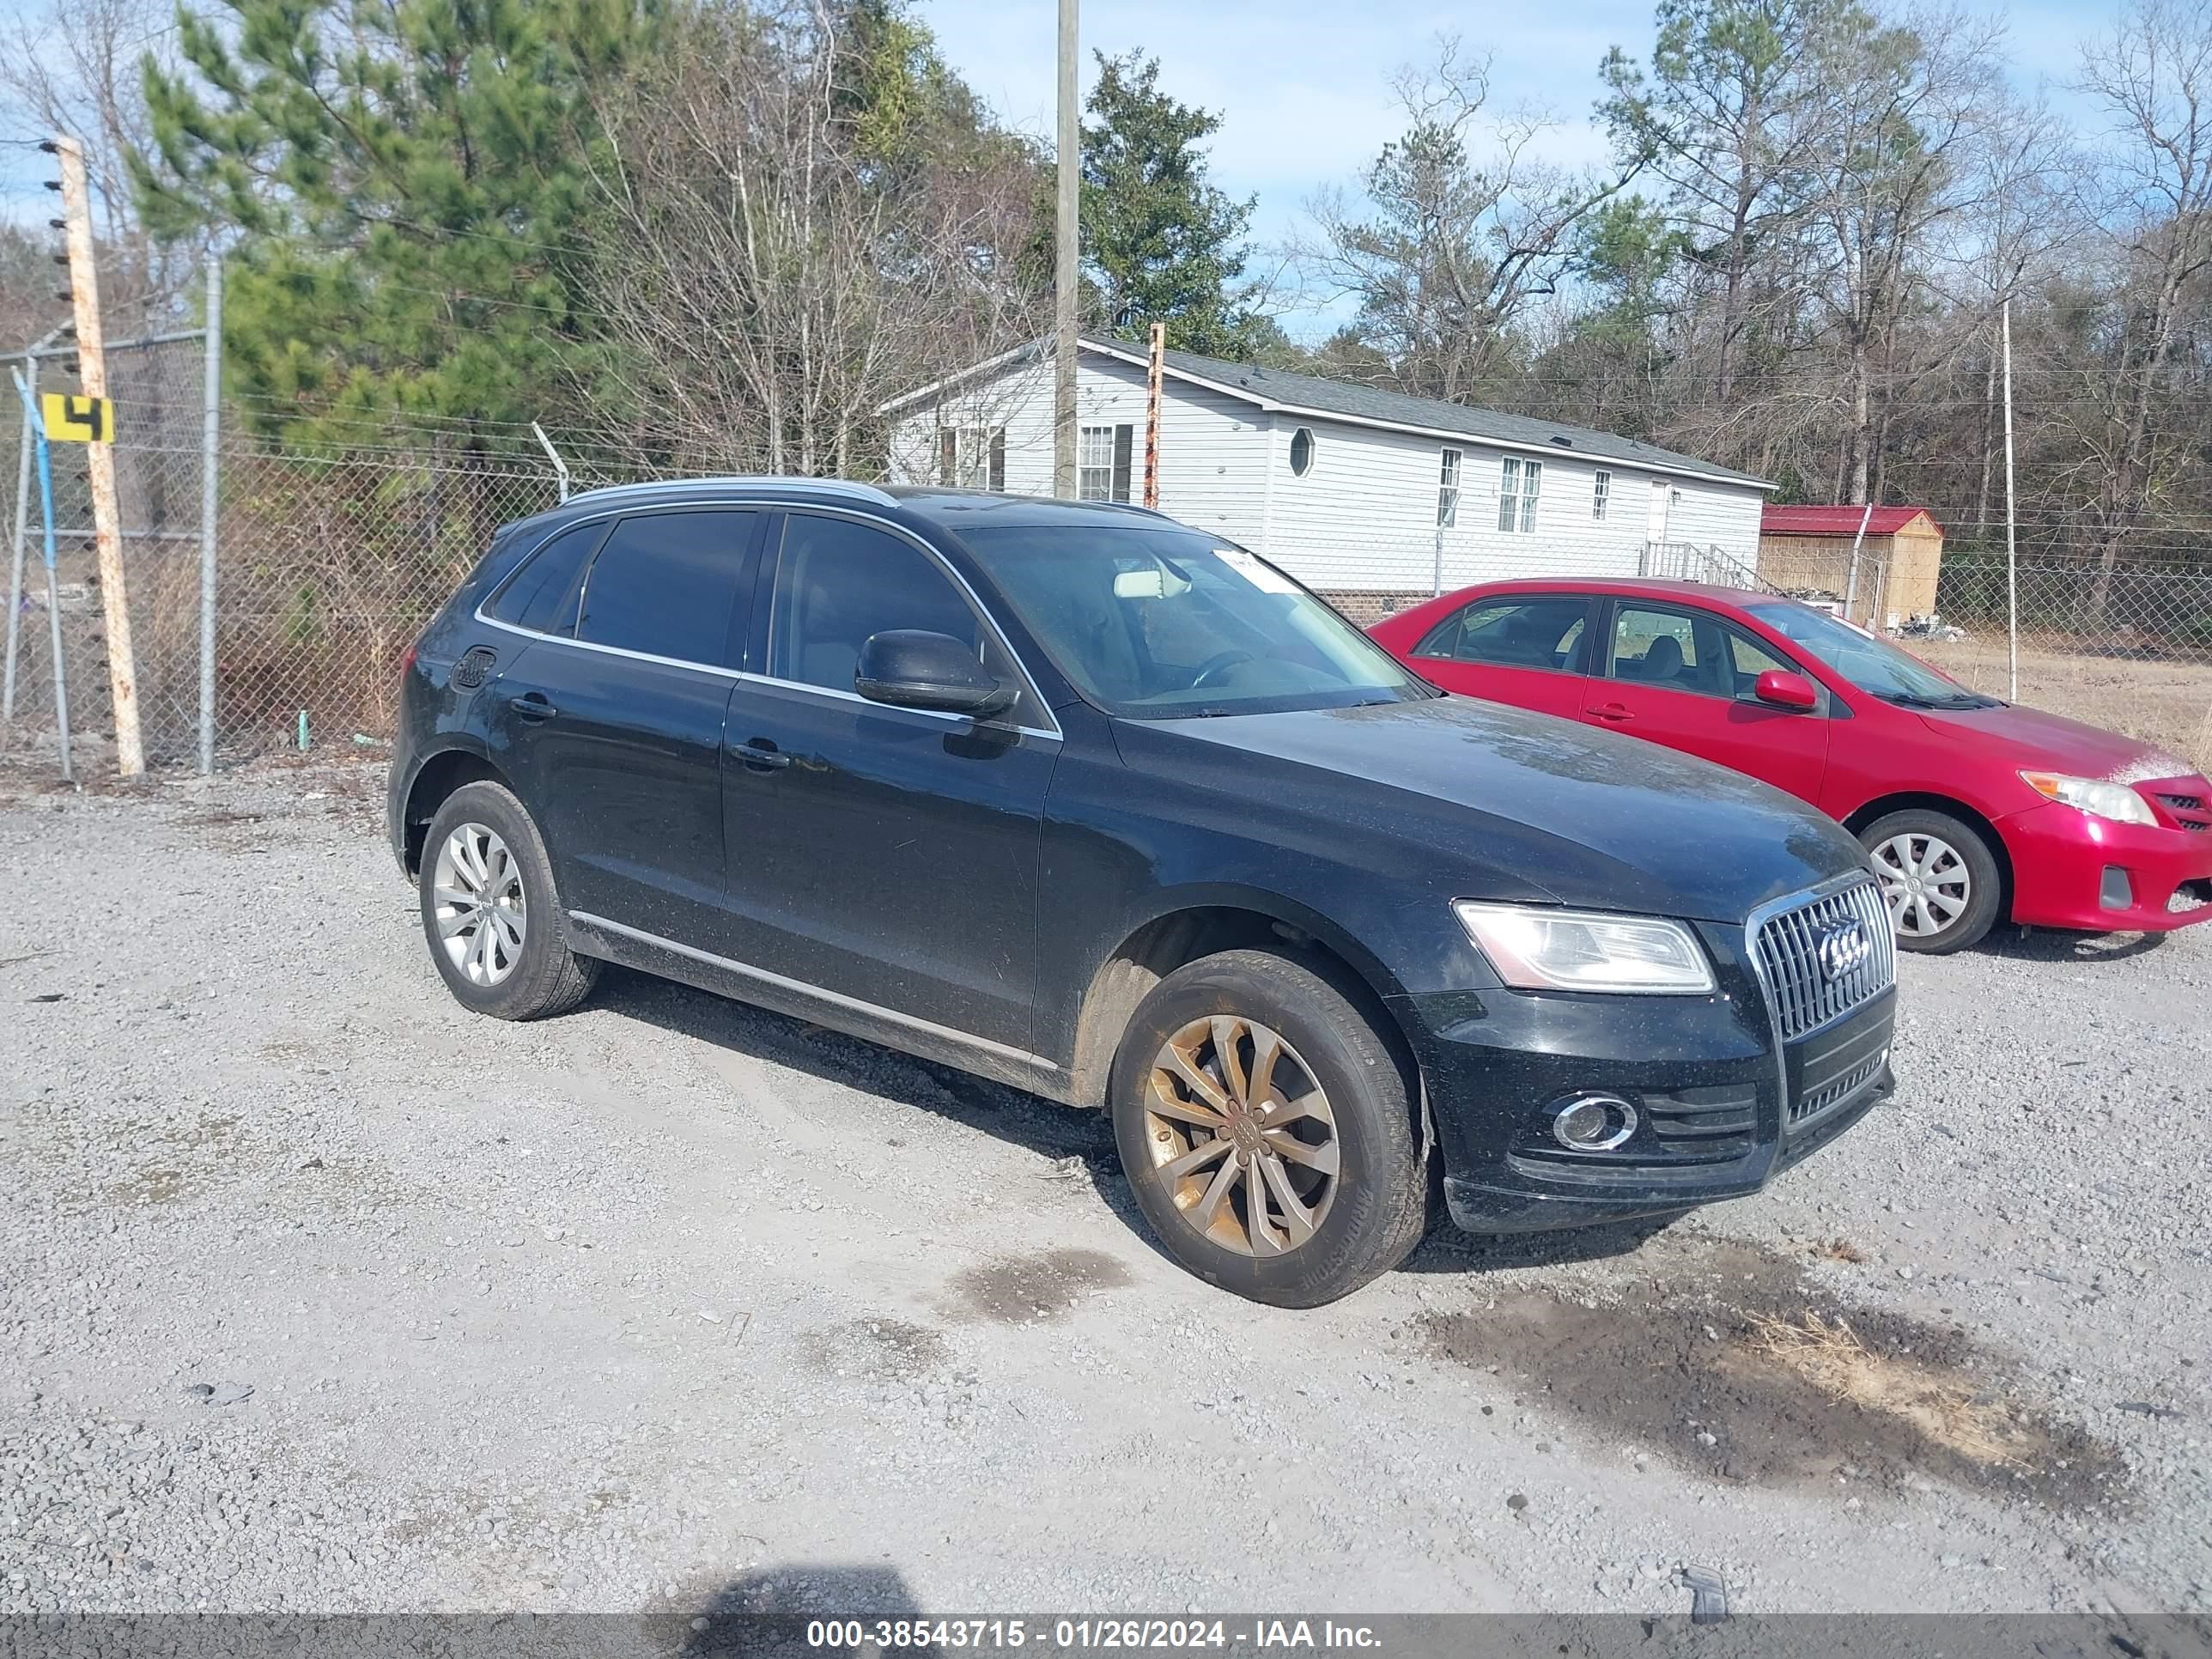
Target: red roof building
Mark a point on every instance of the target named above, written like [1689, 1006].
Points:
[1780, 520]
[1807, 551]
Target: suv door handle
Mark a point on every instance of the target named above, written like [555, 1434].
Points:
[533, 706]
[1613, 711]
[760, 754]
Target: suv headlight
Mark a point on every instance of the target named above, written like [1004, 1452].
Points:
[1536, 948]
[2094, 796]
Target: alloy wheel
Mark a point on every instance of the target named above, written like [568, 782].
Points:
[1242, 1135]
[478, 904]
[1927, 885]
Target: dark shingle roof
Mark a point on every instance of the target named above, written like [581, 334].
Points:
[1312, 394]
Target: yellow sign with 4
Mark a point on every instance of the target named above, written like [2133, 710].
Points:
[77, 420]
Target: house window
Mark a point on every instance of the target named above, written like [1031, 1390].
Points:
[1448, 491]
[971, 457]
[1101, 463]
[1518, 481]
[1599, 493]
[1302, 452]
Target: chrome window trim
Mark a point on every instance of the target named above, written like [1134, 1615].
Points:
[836, 998]
[743, 677]
[949, 717]
[1028, 680]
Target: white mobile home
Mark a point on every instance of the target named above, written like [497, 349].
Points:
[1374, 498]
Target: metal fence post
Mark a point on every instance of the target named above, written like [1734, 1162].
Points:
[210, 434]
[560, 466]
[15, 550]
[37, 422]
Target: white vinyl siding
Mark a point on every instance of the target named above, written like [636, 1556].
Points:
[1364, 517]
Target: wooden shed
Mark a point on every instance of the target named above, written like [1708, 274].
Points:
[1807, 551]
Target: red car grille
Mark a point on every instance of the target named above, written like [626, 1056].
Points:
[2186, 811]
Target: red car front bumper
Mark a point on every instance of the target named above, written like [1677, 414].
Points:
[2064, 861]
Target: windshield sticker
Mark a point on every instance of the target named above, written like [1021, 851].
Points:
[1263, 576]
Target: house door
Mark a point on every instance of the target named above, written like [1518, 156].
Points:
[1662, 495]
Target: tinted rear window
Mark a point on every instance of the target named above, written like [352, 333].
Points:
[538, 595]
[664, 584]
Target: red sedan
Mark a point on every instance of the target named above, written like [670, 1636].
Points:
[1972, 809]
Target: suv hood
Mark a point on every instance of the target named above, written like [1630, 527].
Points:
[2036, 741]
[1508, 804]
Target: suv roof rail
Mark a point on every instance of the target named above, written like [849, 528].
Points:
[839, 487]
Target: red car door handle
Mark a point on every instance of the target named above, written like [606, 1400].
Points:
[1613, 711]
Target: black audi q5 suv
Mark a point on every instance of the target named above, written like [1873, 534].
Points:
[1074, 797]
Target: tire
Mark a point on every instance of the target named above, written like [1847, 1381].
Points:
[1955, 867]
[498, 849]
[1336, 1088]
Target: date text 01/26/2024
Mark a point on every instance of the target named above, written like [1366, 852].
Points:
[1086, 1633]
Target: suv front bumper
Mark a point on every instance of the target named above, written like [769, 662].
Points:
[1721, 1109]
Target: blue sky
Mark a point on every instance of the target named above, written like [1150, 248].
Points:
[1301, 85]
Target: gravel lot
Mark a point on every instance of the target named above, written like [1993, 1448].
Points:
[319, 1294]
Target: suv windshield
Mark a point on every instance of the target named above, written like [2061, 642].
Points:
[1873, 666]
[1159, 622]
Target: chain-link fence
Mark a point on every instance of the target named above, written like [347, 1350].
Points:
[328, 563]
[158, 487]
[2131, 649]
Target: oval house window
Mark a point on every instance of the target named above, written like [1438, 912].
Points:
[1302, 448]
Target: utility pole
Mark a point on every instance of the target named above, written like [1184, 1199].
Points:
[2012, 543]
[99, 458]
[1066, 254]
[1156, 363]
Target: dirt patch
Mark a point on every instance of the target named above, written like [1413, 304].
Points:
[1734, 1364]
[877, 1351]
[1016, 1289]
[189, 1155]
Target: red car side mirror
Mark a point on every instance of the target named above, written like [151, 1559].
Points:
[1784, 690]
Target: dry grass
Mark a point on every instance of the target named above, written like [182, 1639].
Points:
[1945, 1408]
[1840, 1250]
[2161, 700]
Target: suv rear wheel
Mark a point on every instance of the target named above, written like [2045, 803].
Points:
[1266, 1127]
[494, 924]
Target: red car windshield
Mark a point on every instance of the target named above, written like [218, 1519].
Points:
[1876, 667]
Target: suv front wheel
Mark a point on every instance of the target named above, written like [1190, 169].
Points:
[1266, 1128]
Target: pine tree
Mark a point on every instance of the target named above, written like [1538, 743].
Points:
[1160, 242]
[403, 184]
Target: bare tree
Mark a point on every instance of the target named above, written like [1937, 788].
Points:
[1906, 106]
[1730, 117]
[79, 70]
[2153, 77]
[775, 269]
[1445, 249]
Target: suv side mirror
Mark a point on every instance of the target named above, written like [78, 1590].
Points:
[914, 668]
[1781, 689]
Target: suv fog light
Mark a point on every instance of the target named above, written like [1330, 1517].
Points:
[1593, 1123]
[2116, 891]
